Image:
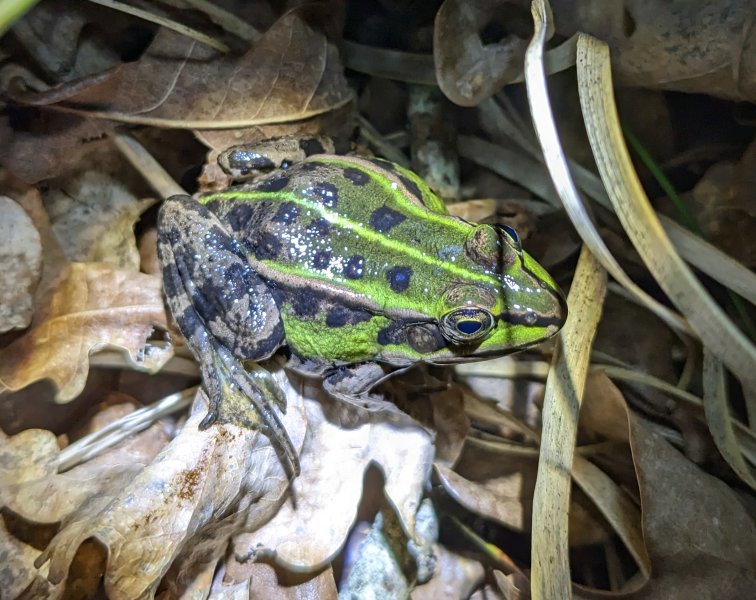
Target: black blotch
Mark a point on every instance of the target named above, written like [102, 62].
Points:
[188, 322]
[234, 272]
[267, 246]
[287, 213]
[218, 241]
[355, 267]
[274, 184]
[337, 317]
[302, 302]
[384, 218]
[320, 227]
[327, 193]
[341, 315]
[204, 301]
[311, 146]
[244, 216]
[171, 281]
[356, 176]
[252, 348]
[411, 187]
[173, 235]
[213, 206]
[383, 164]
[321, 259]
[399, 278]
[394, 333]
[311, 165]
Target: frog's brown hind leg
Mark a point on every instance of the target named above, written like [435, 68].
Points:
[226, 313]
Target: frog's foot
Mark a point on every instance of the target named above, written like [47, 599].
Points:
[248, 161]
[231, 388]
[353, 384]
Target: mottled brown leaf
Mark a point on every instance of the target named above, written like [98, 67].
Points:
[90, 306]
[468, 71]
[291, 73]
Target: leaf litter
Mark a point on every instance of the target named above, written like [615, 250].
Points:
[157, 508]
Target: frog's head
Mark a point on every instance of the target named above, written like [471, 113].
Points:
[514, 305]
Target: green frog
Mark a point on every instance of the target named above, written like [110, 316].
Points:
[350, 264]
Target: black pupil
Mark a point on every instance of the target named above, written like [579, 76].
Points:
[469, 327]
[512, 233]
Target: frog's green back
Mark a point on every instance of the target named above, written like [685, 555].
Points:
[364, 246]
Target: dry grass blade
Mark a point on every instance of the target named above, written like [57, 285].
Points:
[163, 22]
[719, 420]
[616, 506]
[556, 162]
[564, 392]
[152, 171]
[640, 222]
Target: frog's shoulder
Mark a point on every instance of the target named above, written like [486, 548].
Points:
[361, 181]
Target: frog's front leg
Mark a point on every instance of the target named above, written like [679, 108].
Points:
[354, 383]
[226, 313]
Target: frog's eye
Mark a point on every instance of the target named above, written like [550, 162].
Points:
[513, 237]
[467, 325]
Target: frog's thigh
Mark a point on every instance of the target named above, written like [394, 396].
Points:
[210, 286]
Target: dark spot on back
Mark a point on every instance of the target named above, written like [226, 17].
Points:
[302, 303]
[320, 227]
[399, 278]
[327, 193]
[341, 315]
[267, 246]
[235, 272]
[321, 259]
[393, 333]
[287, 213]
[172, 285]
[355, 267]
[411, 187]
[383, 219]
[311, 146]
[240, 216]
[383, 164]
[356, 176]
[311, 165]
[274, 184]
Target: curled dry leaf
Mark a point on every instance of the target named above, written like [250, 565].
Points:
[89, 306]
[306, 535]
[174, 509]
[93, 218]
[698, 534]
[694, 46]
[21, 258]
[468, 71]
[291, 73]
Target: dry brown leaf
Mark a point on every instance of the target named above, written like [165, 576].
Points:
[699, 536]
[67, 139]
[174, 513]
[291, 73]
[723, 204]
[309, 534]
[468, 71]
[93, 217]
[694, 46]
[90, 306]
[21, 259]
[456, 577]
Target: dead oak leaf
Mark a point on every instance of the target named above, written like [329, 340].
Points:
[90, 306]
[291, 73]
